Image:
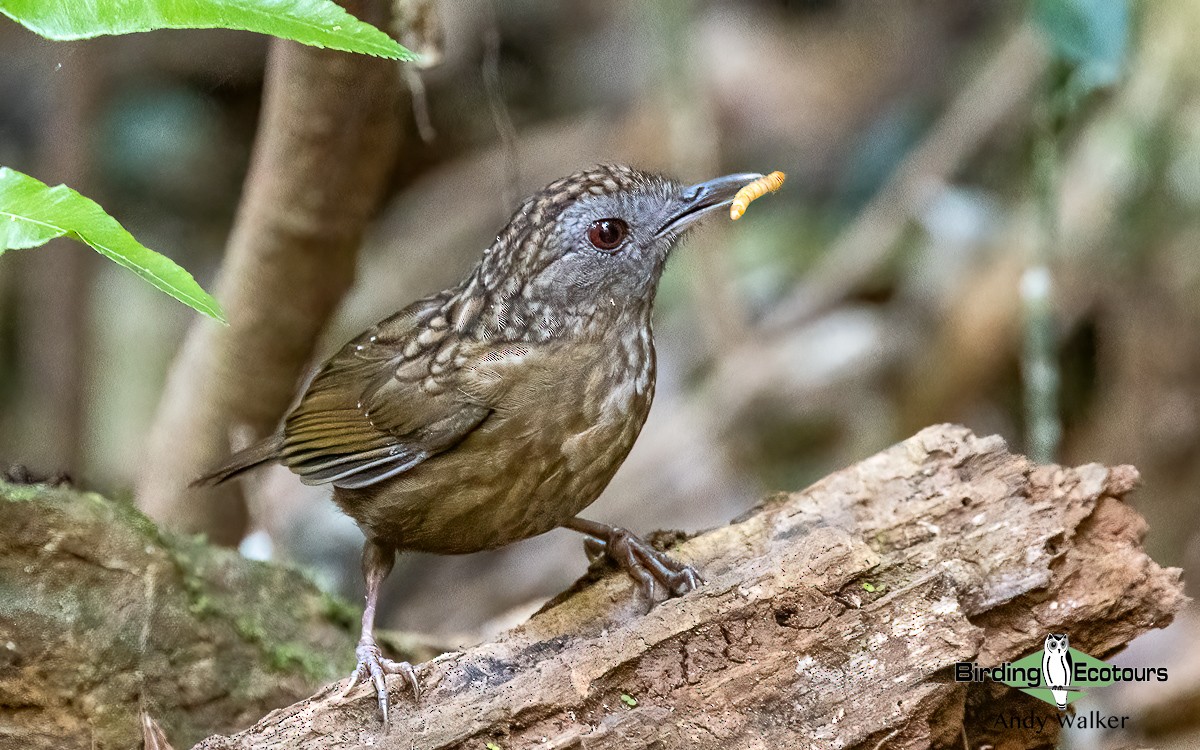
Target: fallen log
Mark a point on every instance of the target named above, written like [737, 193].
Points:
[832, 618]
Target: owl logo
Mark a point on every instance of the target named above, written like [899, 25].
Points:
[1056, 668]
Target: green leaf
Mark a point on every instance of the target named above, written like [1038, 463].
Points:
[628, 700]
[32, 214]
[320, 23]
[1092, 35]
[870, 589]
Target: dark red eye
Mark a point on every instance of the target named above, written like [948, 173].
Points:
[607, 234]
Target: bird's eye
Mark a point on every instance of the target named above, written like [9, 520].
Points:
[607, 234]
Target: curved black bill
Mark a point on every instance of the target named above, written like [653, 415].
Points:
[697, 201]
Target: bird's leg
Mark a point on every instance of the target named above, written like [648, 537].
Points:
[377, 562]
[648, 567]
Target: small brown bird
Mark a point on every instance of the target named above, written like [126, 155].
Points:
[499, 409]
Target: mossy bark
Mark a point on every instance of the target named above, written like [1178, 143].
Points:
[101, 614]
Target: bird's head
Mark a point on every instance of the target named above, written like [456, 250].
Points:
[598, 239]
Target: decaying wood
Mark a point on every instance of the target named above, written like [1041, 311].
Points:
[831, 619]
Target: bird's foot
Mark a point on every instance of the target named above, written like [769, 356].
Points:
[648, 567]
[373, 667]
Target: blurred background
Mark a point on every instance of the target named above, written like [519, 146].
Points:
[988, 219]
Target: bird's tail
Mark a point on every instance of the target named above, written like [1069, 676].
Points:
[244, 460]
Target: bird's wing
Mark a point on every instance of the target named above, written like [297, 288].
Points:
[380, 406]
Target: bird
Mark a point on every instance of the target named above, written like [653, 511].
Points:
[1056, 668]
[500, 408]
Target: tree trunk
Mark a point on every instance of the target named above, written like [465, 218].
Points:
[54, 285]
[326, 144]
[832, 617]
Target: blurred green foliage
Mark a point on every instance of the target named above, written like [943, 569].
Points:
[1092, 36]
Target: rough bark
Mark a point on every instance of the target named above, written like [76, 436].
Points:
[326, 144]
[831, 619]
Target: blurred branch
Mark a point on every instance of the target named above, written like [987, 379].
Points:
[490, 68]
[1008, 80]
[1039, 361]
[418, 24]
[326, 144]
[54, 294]
[1090, 42]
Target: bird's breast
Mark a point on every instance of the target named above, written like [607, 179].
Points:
[563, 421]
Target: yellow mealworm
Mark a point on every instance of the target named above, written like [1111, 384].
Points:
[753, 192]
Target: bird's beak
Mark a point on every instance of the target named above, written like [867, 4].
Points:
[701, 199]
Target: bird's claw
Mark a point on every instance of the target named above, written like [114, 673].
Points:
[373, 667]
[649, 568]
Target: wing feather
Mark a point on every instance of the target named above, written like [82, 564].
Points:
[372, 412]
